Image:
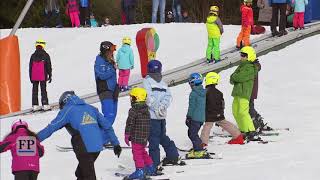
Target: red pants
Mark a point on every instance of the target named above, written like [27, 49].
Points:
[298, 20]
[74, 17]
[123, 79]
[244, 36]
[140, 156]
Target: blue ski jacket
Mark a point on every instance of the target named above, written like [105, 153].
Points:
[84, 119]
[106, 72]
[84, 3]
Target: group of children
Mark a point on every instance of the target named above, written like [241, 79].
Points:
[215, 26]
[75, 11]
[146, 122]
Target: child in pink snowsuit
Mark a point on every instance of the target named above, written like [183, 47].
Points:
[299, 9]
[137, 131]
[72, 10]
[25, 158]
[125, 62]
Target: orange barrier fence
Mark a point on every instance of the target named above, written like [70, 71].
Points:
[10, 90]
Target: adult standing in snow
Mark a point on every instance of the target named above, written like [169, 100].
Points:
[158, 100]
[130, 11]
[161, 4]
[265, 11]
[278, 5]
[84, 12]
[84, 123]
[176, 10]
[106, 81]
[40, 71]
[52, 10]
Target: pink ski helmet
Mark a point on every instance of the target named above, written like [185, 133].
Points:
[19, 124]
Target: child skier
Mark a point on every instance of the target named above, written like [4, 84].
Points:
[196, 116]
[243, 80]
[72, 10]
[40, 72]
[246, 24]
[137, 131]
[215, 29]
[215, 112]
[24, 166]
[158, 101]
[299, 9]
[93, 21]
[125, 62]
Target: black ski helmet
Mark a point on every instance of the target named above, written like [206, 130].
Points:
[64, 98]
[106, 46]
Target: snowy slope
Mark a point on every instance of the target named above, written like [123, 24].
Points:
[73, 52]
[289, 85]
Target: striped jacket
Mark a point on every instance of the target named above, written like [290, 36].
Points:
[138, 123]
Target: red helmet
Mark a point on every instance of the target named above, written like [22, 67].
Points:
[19, 124]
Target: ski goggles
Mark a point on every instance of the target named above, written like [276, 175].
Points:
[110, 48]
[243, 54]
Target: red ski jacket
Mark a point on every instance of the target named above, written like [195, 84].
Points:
[246, 16]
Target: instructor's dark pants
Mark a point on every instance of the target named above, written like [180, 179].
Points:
[25, 175]
[85, 169]
[44, 96]
[276, 7]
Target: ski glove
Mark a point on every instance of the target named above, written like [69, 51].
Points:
[188, 120]
[117, 150]
[162, 110]
[49, 79]
[127, 139]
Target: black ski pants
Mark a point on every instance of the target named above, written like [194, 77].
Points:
[276, 7]
[25, 175]
[252, 111]
[44, 95]
[130, 12]
[85, 169]
[84, 16]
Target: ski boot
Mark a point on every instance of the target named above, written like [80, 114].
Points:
[282, 33]
[202, 154]
[217, 61]
[260, 125]
[209, 61]
[138, 174]
[36, 108]
[252, 136]
[123, 88]
[46, 108]
[152, 171]
[238, 140]
[173, 162]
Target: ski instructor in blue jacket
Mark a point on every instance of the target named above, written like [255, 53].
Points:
[106, 82]
[85, 124]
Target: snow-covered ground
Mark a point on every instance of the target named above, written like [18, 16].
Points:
[288, 94]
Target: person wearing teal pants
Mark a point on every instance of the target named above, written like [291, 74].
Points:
[243, 80]
[215, 29]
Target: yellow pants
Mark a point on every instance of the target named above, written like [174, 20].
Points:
[240, 110]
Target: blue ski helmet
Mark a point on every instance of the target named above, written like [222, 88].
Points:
[195, 79]
[154, 66]
[65, 97]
